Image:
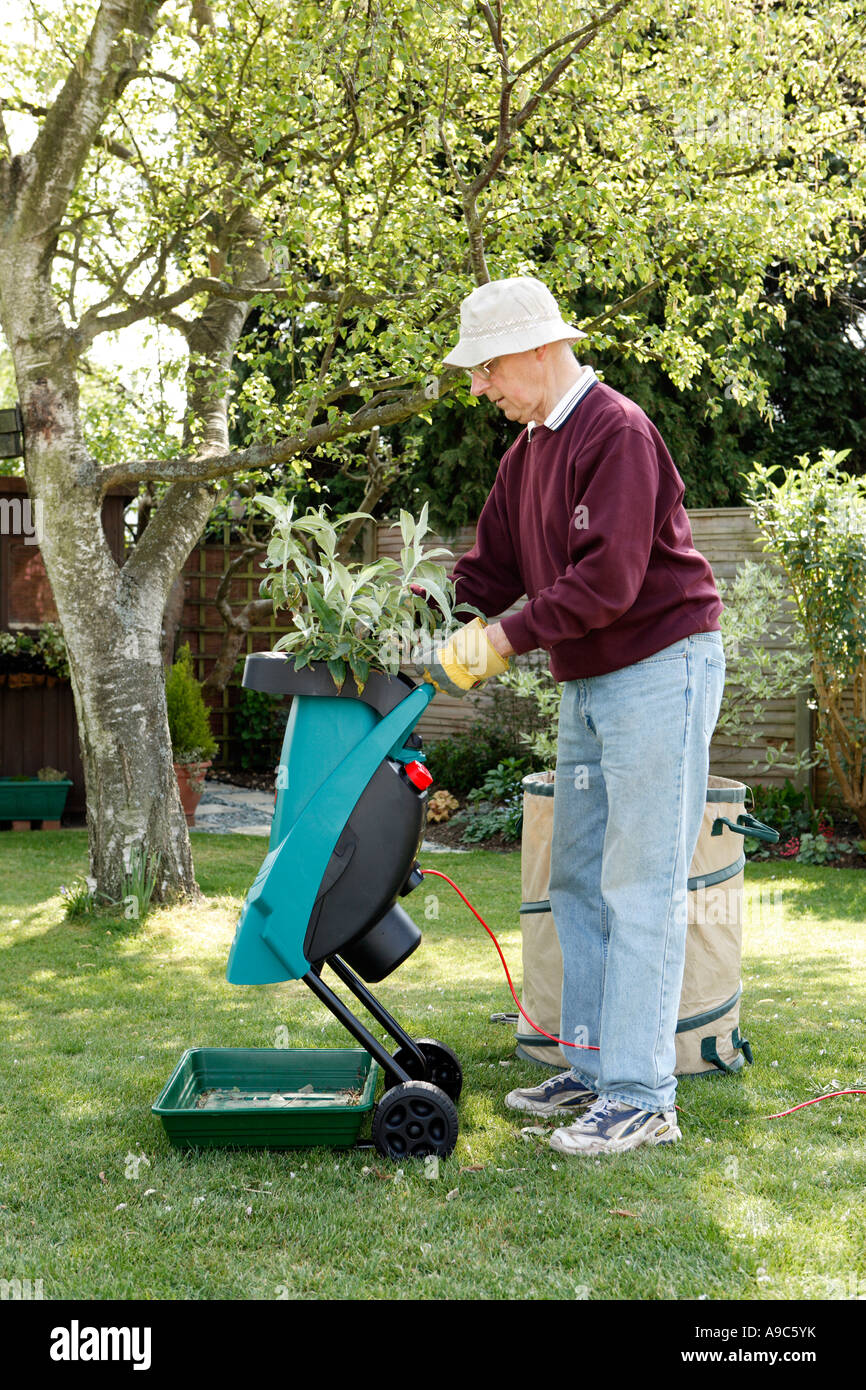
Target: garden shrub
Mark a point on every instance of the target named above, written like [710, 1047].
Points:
[785, 808]
[259, 723]
[497, 804]
[814, 521]
[188, 717]
[461, 762]
[487, 820]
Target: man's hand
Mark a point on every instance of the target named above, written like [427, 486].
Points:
[495, 635]
[466, 658]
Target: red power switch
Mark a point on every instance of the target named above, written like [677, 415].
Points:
[419, 775]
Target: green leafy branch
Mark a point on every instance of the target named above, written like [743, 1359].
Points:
[814, 520]
[354, 616]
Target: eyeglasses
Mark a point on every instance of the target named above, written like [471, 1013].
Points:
[484, 370]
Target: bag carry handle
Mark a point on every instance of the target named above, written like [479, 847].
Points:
[746, 824]
[710, 1051]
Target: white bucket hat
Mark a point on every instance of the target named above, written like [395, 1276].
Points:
[504, 316]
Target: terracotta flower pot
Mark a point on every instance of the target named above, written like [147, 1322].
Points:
[190, 781]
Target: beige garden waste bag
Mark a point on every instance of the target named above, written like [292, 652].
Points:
[542, 958]
[708, 1036]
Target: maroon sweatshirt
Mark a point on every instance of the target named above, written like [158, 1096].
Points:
[587, 520]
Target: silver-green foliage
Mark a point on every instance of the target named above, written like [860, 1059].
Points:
[353, 616]
[757, 606]
[536, 684]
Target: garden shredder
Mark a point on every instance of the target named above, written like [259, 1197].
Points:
[347, 826]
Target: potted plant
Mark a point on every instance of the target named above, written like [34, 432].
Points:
[38, 659]
[192, 743]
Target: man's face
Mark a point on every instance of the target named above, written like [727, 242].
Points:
[515, 383]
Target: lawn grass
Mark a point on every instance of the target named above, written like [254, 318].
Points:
[96, 1204]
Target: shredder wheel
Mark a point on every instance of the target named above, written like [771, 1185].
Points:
[443, 1067]
[413, 1119]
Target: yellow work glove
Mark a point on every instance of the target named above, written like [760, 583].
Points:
[466, 658]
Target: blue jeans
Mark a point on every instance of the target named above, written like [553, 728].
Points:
[629, 797]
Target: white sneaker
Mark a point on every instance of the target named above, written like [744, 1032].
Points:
[561, 1095]
[610, 1126]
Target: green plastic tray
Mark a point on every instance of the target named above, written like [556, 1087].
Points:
[32, 799]
[267, 1097]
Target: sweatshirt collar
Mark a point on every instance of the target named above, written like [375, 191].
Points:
[567, 403]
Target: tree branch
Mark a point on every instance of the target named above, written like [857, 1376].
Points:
[625, 304]
[539, 57]
[100, 142]
[508, 125]
[121, 34]
[258, 456]
[587, 35]
[494, 24]
[381, 473]
[162, 307]
[237, 623]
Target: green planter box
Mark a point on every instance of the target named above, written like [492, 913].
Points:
[32, 799]
[267, 1097]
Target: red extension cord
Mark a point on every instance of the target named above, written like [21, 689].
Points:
[586, 1046]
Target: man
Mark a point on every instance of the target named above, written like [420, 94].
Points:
[586, 518]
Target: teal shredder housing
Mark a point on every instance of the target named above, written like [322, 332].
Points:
[333, 747]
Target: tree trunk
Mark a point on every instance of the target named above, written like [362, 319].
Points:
[111, 615]
[113, 630]
[132, 793]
